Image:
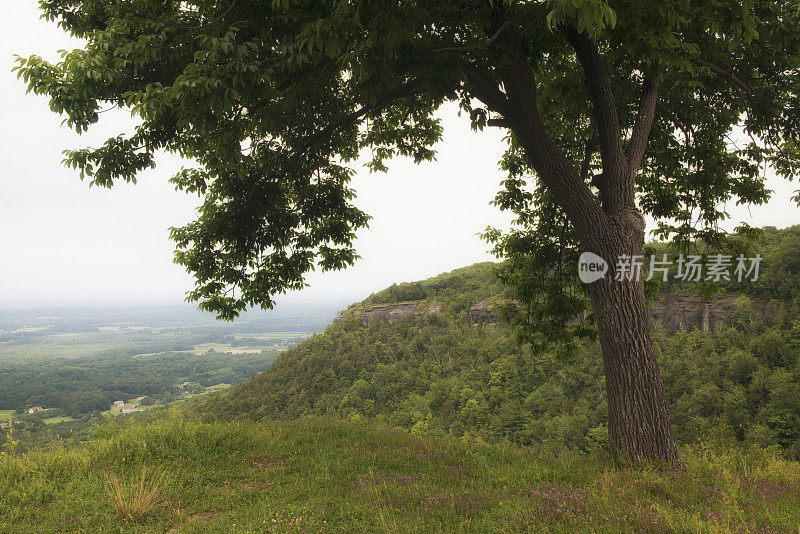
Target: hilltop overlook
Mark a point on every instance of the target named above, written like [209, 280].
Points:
[588, 381]
[418, 411]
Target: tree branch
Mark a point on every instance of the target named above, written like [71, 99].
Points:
[478, 44]
[536, 11]
[588, 150]
[554, 169]
[677, 122]
[403, 91]
[199, 26]
[499, 123]
[618, 180]
[726, 74]
[485, 88]
[644, 121]
[750, 94]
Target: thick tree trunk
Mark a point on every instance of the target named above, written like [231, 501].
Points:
[607, 224]
[638, 418]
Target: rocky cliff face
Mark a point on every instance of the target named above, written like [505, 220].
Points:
[392, 313]
[687, 312]
[672, 312]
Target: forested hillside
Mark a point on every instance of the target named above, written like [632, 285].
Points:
[440, 373]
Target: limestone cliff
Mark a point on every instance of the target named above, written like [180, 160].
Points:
[672, 312]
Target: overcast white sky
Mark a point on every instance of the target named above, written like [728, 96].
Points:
[65, 244]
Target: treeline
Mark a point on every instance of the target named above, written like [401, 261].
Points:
[84, 385]
[456, 290]
[441, 374]
[779, 265]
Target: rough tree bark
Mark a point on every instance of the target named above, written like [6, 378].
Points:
[638, 418]
[609, 226]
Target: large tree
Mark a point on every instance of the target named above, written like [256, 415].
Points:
[613, 108]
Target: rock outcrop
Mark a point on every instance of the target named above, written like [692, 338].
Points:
[687, 312]
[484, 312]
[671, 312]
[392, 313]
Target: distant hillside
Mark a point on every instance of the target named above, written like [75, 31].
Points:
[419, 356]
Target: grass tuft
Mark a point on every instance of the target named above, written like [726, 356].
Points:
[136, 498]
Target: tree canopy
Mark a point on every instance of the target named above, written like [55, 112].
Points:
[274, 101]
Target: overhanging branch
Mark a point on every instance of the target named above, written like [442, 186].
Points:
[485, 88]
[726, 74]
[387, 99]
[555, 170]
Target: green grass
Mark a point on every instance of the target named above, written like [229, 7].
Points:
[272, 335]
[5, 415]
[217, 387]
[324, 476]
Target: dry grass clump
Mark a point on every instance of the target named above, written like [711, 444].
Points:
[135, 498]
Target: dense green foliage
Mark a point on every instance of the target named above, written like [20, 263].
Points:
[442, 374]
[456, 290]
[273, 100]
[322, 476]
[84, 385]
[780, 263]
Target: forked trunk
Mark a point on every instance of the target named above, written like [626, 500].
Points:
[638, 419]
[609, 225]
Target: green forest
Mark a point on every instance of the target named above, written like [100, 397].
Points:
[78, 361]
[85, 385]
[441, 374]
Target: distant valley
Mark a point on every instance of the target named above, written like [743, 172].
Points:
[61, 368]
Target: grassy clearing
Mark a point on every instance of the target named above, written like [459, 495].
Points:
[321, 476]
[272, 335]
[5, 415]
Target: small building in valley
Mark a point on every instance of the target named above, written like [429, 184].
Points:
[35, 409]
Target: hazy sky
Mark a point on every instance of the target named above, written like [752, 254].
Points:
[65, 244]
